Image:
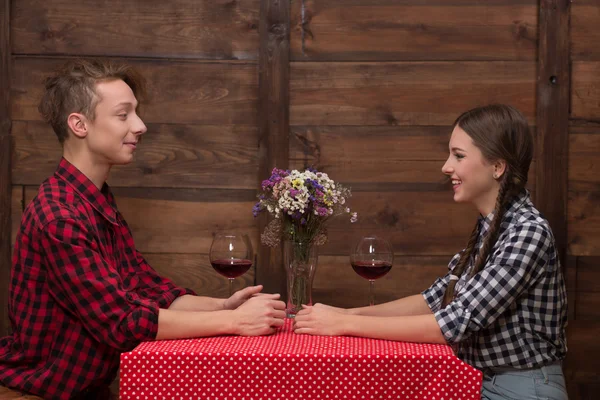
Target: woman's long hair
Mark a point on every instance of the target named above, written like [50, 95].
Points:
[500, 132]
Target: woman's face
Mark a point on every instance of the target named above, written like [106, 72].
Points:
[472, 175]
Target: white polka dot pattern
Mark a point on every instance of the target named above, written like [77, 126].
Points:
[290, 366]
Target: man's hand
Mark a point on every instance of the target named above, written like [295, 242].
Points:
[259, 315]
[241, 296]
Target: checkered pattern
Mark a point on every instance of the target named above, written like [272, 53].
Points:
[514, 311]
[80, 293]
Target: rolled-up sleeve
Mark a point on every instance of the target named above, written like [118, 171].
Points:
[83, 283]
[435, 293]
[515, 265]
[158, 288]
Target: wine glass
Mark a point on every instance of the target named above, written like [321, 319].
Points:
[372, 258]
[231, 256]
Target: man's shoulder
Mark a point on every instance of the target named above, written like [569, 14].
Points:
[55, 200]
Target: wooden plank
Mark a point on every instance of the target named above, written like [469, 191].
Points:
[584, 160]
[584, 34]
[5, 162]
[587, 306]
[274, 117]
[194, 271]
[581, 364]
[171, 155]
[195, 92]
[377, 158]
[153, 28]
[16, 210]
[413, 30]
[9, 394]
[5, 228]
[585, 90]
[553, 89]
[588, 274]
[337, 284]
[584, 223]
[408, 220]
[182, 220]
[405, 93]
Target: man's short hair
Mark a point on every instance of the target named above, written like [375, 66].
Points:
[73, 89]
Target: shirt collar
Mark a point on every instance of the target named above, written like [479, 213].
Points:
[514, 204]
[102, 200]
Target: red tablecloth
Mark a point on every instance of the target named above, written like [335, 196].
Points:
[289, 366]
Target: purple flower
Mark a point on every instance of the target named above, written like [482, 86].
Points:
[258, 207]
[322, 211]
[294, 192]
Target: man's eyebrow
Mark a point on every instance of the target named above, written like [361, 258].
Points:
[125, 103]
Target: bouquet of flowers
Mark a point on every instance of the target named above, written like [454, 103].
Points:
[302, 203]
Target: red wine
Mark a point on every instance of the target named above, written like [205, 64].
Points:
[231, 267]
[371, 269]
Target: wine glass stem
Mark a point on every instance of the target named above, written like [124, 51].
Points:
[371, 292]
[230, 286]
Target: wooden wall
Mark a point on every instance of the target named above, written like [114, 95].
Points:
[364, 90]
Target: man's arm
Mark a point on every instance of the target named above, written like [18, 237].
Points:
[260, 315]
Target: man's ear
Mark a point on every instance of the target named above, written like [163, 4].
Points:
[78, 124]
[499, 169]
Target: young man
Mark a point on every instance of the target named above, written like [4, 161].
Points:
[80, 292]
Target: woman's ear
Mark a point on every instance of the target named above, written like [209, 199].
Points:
[77, 124]
[499, 169]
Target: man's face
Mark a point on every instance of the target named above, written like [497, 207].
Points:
[114, 134]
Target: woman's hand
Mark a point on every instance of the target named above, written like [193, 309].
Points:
[320, 319]
[241, 296]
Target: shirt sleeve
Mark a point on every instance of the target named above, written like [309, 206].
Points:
[155, 287]
[435, 293]
[514, 267]
[82, 282]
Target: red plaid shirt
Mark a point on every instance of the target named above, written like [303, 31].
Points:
[80, 293]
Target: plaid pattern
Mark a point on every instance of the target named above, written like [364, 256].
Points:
[514, 311]
[80, 293]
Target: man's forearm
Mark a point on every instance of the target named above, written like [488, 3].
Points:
[177, 324]
[197, 303]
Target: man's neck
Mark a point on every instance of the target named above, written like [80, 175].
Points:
[95, 172]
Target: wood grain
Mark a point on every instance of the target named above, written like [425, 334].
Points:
[274, 119]
[405, 93]
[184, 92]
[584, 34]
[170, 155]
[218, 29]
[194, 271]
[337, 284]
[584, 158]
[585, 90]
[413, 30]
[584, 223]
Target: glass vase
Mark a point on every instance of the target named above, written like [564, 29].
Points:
[300, 261]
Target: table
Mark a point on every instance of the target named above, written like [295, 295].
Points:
[293, 367]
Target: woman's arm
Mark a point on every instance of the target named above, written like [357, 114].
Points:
[411, 305]
[319, 320]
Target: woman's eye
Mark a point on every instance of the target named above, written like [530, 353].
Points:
[459, 156]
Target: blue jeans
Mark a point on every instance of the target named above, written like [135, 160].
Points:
[505, 383]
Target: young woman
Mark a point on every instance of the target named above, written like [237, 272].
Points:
[502, 305]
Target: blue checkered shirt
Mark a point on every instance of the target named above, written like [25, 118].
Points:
[514, 311]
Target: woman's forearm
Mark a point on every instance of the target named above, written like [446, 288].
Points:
[411, 305]
[412, 328]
